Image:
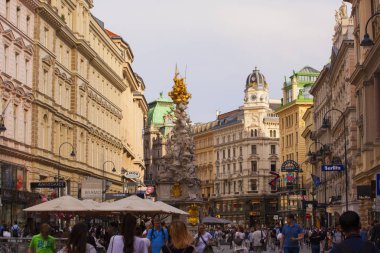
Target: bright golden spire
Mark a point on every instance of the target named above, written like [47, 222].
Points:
[179, 93]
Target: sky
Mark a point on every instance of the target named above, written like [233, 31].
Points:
[217, 44]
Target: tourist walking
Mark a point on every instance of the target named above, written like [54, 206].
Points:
[239, 238]
[43, 242]
[292, 235]
[127, 242]
[77, 242]
[180, 239]
[15, 230]
[364, 233]
[202, 239]
[315, 240]
[258, 240]
[157, 235]
[350, 224]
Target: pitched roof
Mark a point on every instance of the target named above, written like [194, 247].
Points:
[112, 34]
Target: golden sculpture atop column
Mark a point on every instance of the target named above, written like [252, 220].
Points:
[179, 93]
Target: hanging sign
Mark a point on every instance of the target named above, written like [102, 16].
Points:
[149, 189]
[132, 174]
[332, 167]
[290, 166]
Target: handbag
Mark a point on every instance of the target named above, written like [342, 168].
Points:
[208, 248]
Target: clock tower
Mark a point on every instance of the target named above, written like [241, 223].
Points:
[256, 90]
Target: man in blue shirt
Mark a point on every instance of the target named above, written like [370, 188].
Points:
[350, 224]
[157, 235]
[291, 235]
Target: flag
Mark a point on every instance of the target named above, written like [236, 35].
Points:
[316, 180]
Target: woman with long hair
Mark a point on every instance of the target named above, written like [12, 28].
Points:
[127, 242]
[180, 239]
[77, 242]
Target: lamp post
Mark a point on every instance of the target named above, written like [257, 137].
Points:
[367, 41]
[103, 184]
[326, 124]
[72, 154]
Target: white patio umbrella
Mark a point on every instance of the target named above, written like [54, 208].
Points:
[131, 204]
[168, 208]
[61, 204]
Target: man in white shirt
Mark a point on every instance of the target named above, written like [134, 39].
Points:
[201, 239]
[258, 237]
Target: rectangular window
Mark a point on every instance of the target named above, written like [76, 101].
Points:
[253, 149]
[234, 186]
[234, 167]
[228, 169]
[27, 24]
[240, 167]
[5, 57]
[273, 149]
[18, 10]
[16, 65]
[229, 153]
[217, 155]
[273, 166]
[46, 37]
[45, 82]
[224, 153]
[253, 185]
[241, 151]
[26, 71]
[234, 152]
[224, 169]
[253, 166]
[217, 170]
[7, 8]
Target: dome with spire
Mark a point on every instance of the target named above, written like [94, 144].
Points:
[256, 80]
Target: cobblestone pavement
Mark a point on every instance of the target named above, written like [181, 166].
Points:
[226, 249]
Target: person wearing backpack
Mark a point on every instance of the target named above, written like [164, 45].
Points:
[258, 240]
[350, 224]
[157, 235]
[238, 241]
[201, 240]
[15, 230]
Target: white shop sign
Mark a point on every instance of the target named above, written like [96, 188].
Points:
[131, 174]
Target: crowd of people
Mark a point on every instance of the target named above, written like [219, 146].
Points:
[156, 237]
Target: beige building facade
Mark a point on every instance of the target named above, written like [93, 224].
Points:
[366, 81]
[85, 98]
[246, 149]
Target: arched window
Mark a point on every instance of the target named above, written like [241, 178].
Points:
[274, 133]
[251, 132]
[270, 133]
[255, 132]
[45, 134]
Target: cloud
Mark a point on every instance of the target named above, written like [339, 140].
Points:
[220, 41]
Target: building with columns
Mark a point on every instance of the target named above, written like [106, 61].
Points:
[84, 106]
[332, 91]
[366, 82]
[16, 81]
[296, 100]
[245, 145]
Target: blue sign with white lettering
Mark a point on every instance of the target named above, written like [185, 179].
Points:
[377, 184]
[333, 167]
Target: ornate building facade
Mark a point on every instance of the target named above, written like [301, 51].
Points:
[246, 148]
[332, 91]
[296, 100]
[88, 108]
[366, 81]
[17, 97]
[156, 134]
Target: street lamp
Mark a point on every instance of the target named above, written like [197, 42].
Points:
[326, 124]
[113, 170]
[72, 154]
[367, 41]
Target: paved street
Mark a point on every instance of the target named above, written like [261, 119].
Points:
[226, 249]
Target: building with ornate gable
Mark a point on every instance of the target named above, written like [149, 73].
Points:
[245, 145]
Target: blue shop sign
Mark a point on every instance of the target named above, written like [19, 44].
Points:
[333, 167]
